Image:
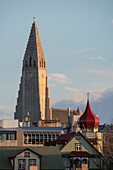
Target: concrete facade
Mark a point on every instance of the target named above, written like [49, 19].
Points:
[33, 94]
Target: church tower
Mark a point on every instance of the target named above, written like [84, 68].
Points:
[33, 94]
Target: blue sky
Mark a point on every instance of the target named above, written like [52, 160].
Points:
[77, 39]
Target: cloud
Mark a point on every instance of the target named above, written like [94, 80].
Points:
[108, 74]
[72, 89]
[96, 58]
[53, 85]
[85, 50]
[58, 77]
[111, 21]
[6, 112]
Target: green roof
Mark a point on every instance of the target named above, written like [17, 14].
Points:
[51, 156]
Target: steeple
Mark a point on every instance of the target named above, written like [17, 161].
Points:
[34, 48]
[33, 95]
[88, 119]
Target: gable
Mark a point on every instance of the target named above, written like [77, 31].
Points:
[24, 153]
[79, 139]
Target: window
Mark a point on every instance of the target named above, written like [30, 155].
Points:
[26, 63]
[25, 139]
[30, 62]
[77, 163]
[45, 138]
[78, 147]
[26, 154]
[84, 161]
[42, 62]
[33, 138]
[53, 136]
[32, 162]
[34, 63]
[29, 138]
[41, 138]
[21, 164]
[37, 138]
[44, 65]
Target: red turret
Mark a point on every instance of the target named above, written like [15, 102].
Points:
[88, 119]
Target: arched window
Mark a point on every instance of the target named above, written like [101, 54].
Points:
[26, 63]
[30, 62]
[77, 163]
[84, 161]
[34, 63]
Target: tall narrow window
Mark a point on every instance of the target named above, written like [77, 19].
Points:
[34, 63]
[21, 164]
[37, 138]
[33, 138]
[44, 64]
[30, 62]
[26, 63]
[40, 63]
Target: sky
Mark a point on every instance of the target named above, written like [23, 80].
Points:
[77, 39]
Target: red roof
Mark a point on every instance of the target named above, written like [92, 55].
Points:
[80, 153]
[94, 142]
[88, 119]
[65, 138]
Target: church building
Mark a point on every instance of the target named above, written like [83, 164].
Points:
[33, 95]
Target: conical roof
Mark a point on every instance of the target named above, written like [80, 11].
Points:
[79, 112]
[88, 119]
[34, 46]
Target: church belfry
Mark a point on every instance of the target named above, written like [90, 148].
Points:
[33, 94]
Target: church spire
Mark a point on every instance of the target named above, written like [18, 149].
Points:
[32, 95]
[34, 48]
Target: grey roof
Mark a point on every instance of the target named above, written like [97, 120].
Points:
[8, 129]
[51, 156]
[43, 129]
[40, 129]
